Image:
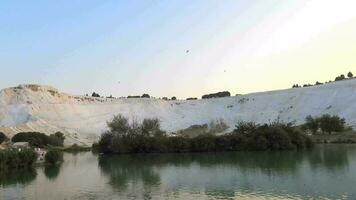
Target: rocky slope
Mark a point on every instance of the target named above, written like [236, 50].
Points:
[82, 119]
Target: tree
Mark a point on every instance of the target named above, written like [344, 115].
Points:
[151, 127]
[174, 98]
[119, 125]
[216, 95]
[2, 137]
[95, 95]
[330, 123]
[52, 157]
[311, 124]
[350, 75]
[145, 96]
[340, 78]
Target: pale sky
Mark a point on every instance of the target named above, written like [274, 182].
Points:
[134, 47]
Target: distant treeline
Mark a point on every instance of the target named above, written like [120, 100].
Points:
[206, 96]
[36, 139]
[123, 137]
[338, 78]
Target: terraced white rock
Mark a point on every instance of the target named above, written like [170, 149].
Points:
[82, 119]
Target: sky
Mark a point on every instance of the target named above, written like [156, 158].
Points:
[183, 48]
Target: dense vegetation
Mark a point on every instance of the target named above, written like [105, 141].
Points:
[326, 124]
[216, 95]
[41, 140]
[123, 137]
[12, 159]
[2, 137]
[53, 157]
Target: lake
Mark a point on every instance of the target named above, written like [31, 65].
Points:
[327, 172]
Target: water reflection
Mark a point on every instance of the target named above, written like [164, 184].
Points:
[21, 176]
[222, 175]
[328, 172]
[52, 171]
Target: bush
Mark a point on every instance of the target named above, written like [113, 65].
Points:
[174, 98]
[53, 157]
[326, 123]
[136, 96]
[123, 137]
[350, 75]
[311, 124]
[11, 159]
[330, 123]
[192, 98]
[94, 94]
[340, 78]
[2, 137]
[145, 96]
[245, 128]
[216, 95]
[36, 139]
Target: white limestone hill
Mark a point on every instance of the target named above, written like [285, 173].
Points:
[83, 119]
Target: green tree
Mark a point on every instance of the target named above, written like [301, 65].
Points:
[350, 75]
[311, 124]
[53, 157]
[330, 123]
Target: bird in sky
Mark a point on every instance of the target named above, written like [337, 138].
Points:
[187, 51]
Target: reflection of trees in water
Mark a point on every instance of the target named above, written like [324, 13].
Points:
[21, 176]
[52, 171]
[331, 157]
[124, 169]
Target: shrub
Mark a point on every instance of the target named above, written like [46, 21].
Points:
[11, 159]
[123, 137]
[151, 127]
[2, 137]
[216, 95]
[136, 96]
[192, 98]
[326, 123]
[245, 127]
[174, 98]
[311, 124]
[145, 96]
[94, 94]
[330, 123]
[340, 78]
[350, 75]
[53, 157]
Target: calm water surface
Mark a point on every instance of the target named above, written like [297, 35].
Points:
[328, 172]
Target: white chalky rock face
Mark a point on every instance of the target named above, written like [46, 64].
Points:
[83, 119]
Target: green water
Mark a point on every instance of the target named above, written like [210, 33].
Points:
[328, 172]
